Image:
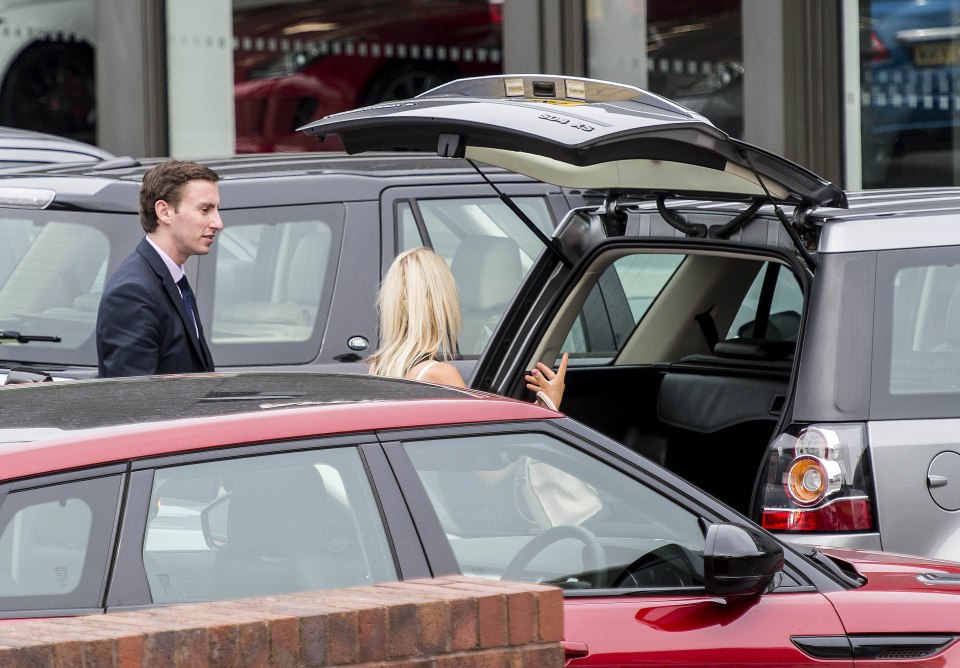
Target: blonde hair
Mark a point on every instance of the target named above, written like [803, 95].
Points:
[419, 308]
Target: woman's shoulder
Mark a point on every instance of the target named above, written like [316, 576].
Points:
[434, 371]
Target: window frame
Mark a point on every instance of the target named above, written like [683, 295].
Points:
[130, 588]
[103, 539]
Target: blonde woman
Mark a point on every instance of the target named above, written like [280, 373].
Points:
[419, 309]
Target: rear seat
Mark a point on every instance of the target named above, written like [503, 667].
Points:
[745, 379]
[731, 399]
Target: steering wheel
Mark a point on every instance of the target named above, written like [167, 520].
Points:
[666, 566]
[593, 555]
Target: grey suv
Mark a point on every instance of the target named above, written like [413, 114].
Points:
[729, 314]
[291, 280]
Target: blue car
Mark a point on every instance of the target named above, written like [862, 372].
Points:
[909, 60]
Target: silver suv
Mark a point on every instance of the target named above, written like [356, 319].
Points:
[790, 348]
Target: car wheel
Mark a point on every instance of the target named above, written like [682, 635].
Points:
[50, 88]
[405, 80]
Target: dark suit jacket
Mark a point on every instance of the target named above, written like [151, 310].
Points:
[142, 326]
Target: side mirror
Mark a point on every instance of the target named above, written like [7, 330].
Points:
[739, 560]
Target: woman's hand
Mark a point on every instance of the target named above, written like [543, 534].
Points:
[543, 380]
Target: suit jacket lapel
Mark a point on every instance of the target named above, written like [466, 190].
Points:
[173, 292]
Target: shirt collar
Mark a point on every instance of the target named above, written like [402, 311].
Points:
[176, 270]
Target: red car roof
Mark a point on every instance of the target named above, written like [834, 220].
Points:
[101, 445]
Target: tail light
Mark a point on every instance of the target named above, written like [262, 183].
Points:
[818, 479]
[495, 9]
[878, 52]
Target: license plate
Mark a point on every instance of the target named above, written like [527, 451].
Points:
[936, 53]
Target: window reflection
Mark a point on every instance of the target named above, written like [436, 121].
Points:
[694, 52]
[297, 61]
[909, 57]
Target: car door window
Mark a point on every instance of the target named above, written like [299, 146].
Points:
[271, 285]
[530, 507]
[488, 248]
[616, 303]
[51, 276]
[774, 303]
[263, 525]
[917, 355]
[699, 299]
[55, 543]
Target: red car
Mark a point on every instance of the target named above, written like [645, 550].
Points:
[298, 61]
[124, 493]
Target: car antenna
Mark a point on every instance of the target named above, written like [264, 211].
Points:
[781, 216]
[524, 218]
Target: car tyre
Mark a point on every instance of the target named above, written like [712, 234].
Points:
[401, 81]
[50, 87]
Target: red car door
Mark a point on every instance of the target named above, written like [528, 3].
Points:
[697, 631]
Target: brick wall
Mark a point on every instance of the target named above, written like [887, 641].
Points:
[443, 623]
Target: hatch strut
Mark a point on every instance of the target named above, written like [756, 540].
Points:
[524, 218]
[781, 216]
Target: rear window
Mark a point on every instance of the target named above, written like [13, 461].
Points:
[53, 266]
[268, 282]
[55, 543]
[488, 248]
[917, 333]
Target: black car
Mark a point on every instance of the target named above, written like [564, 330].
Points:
[291, 280]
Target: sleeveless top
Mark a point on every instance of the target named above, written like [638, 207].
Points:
[424, 369]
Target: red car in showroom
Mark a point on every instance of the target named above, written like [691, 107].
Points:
[124, 493]
[297, 61]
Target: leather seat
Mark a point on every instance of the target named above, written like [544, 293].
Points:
[488, 272]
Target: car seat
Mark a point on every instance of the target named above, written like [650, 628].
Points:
[281, 525]
[488, 272]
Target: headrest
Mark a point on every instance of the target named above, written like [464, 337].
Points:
[307, 268]
[487, 270]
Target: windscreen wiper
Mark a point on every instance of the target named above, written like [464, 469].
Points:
[10, 335]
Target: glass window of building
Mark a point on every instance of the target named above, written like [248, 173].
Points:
[909, 61]
[298, 61]
[694, 52]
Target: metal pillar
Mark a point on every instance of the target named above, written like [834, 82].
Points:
[131, 77]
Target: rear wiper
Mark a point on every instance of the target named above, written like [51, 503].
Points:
[10, 335]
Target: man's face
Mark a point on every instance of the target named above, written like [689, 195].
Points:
[191, 226]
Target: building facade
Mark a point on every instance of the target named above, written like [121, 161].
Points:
[860, 91]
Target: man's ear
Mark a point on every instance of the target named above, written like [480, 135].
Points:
[162, 209]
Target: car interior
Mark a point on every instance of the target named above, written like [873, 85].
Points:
[684, 354]
[260, 526]
[527, 507]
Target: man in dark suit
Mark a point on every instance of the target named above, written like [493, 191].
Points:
[148, 322]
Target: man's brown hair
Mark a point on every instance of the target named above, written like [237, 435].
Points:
[165, 182]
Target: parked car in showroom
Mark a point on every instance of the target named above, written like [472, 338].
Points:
[727, 313]
[292, 278]
[294, 60]
[47, 81]
[221, 486]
